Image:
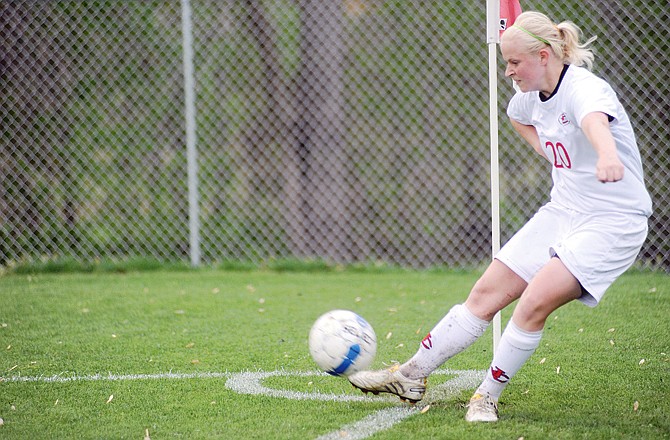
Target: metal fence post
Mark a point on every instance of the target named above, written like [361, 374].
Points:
[191, 140]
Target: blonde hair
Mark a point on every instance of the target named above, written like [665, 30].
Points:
[537, 30]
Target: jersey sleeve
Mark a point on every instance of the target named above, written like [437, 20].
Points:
[594, 95]
[519, 108]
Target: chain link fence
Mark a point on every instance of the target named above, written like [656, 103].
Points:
[349, 131]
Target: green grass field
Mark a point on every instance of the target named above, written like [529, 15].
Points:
[161, 354]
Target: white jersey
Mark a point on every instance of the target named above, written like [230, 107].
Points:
[558, 123]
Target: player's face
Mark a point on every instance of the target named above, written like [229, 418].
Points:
[523, 67]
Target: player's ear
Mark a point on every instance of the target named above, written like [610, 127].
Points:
[544, 56]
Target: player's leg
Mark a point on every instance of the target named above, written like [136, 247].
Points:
[552, 287]
[459, 328]
[498, 287]
[503, 282]
[465, 323]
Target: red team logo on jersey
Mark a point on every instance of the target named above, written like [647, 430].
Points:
[563, 119]
[499, 375]
[427, 342]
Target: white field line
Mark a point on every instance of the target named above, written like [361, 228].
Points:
[372, 424]
[62, 378]
[252, 383]
[386, 418]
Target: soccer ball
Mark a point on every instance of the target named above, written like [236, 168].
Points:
[342, 343]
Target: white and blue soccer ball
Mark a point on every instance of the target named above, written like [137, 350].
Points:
[341, 343]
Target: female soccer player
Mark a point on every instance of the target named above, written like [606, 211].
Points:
[576, 245]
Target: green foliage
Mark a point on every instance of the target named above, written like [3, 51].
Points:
[71, 265]
[154, 322]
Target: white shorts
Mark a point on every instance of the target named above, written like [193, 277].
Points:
[596, 248]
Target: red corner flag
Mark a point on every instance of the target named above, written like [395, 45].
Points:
[509, 11]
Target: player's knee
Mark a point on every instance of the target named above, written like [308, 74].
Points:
[531, 312]
[485, 300]
[477, 301]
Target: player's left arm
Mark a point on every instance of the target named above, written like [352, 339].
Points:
[529, 133]
[596, 127]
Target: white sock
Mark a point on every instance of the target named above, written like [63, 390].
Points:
[515, 347]
[454, 333]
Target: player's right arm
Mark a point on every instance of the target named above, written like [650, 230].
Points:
[529, 133]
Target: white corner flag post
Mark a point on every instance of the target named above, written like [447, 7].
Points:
[492, 40]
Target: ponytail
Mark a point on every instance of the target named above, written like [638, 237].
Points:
[574, 52]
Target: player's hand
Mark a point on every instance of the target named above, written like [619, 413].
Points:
[609, 169]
